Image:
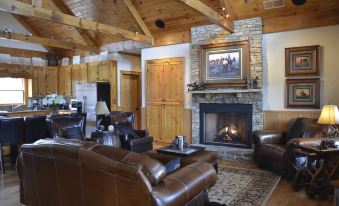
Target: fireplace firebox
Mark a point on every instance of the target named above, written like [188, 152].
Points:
[226, 124]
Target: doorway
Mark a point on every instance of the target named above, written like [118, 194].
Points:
[130, 94]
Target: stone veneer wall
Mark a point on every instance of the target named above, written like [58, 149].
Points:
[251, 30]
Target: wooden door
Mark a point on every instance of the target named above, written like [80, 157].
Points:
[61, 81]
[154, 120]
[173, 88]
[51, 80]
[92, 72]
[68, 80]
[42, 81]
[35, 81]
[172, 121]
[103, 71]
[114, 85]
[154, 85]
[130, 94]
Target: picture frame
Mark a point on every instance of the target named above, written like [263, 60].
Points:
[303, 93]
[302, 61]
[225, 64]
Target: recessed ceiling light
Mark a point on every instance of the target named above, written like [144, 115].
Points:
[298, 2]
[160, 23]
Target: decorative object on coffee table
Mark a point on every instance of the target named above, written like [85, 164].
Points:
[225, 64]
[53, 102]
[303, 93]
[302, 61]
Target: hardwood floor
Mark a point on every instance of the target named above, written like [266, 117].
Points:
[282, 196]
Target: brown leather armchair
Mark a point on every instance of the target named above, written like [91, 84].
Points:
[72, 172]
[272, 148]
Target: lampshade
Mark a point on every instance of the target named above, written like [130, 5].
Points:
[329, 115]
[101, 108]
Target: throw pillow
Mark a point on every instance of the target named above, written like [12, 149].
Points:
[71, 133]
[172, 165]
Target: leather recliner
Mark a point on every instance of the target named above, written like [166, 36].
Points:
[35, 128]
[273, 148]
[59, 122]
[72, 172]
[131, 139]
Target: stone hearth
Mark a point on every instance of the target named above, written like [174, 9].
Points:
[251, 30]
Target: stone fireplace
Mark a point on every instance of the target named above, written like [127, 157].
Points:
[237, 111]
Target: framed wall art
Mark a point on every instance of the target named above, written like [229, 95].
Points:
[302, 61]
[225, 64]
[303, 93]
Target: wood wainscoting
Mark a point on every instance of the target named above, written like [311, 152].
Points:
[277, 120]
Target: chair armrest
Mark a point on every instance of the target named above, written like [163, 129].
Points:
[267, 137]
[296, 142]
[142, 133]
[183, 185]
[135, 141]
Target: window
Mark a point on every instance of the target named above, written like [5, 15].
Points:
[12, 91]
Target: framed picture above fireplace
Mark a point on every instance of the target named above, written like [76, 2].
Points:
[302, 61]
[225, 64]
[303, 93]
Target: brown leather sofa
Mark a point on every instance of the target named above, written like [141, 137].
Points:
[72, 172]
[273, 148]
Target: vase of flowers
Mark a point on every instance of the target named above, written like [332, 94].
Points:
[53, 102]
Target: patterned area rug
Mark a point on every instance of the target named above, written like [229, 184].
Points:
[243, 187]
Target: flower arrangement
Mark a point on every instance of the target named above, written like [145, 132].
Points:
[53, 101]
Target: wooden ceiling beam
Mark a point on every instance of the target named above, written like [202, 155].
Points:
[30, 29]
[83, 33]
[24, 9]
[224, 4]
[45, 41]
[137, 17]
[210, 14]
[22, 52]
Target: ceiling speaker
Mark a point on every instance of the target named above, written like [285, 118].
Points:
[298, 2]
[160, 23]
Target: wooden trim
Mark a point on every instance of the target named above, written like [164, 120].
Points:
[210, 14]
[277, 120]
[165, 60]
[22, 52]
[125, 72]
[138, 18]
[45, 41]
[129, 54]
[24, 9]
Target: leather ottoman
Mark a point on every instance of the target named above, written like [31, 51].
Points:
[201, 156]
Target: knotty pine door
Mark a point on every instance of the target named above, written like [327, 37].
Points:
[165, 98]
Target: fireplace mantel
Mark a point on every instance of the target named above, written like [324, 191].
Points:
[225, 91]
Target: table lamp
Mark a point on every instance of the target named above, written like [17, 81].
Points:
[101, 110]
[330, 116]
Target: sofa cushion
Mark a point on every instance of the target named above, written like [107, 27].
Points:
[274, 151]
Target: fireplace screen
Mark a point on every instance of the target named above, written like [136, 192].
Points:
[226, 128]
[226, 124]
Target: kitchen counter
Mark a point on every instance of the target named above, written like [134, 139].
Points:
[30, 113]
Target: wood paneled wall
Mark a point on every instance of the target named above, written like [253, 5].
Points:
[188, 124]
[277, 120]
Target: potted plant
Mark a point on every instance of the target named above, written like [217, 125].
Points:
[53, 102]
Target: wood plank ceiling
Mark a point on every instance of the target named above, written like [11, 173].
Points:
[177, 16]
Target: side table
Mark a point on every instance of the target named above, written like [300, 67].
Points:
[316, 169]
[106, 138]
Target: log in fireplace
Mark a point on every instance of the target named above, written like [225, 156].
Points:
[226, 124]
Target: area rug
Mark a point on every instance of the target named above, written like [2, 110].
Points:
[243, 187]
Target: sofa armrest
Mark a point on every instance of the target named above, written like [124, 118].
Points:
[140, 141]
[183, 185]
[267, 137]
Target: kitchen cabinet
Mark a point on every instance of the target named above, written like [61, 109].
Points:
[42, 81]
[35, 81]
[79, 75]
[51, 80]
[65, 80]
[98, 71]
